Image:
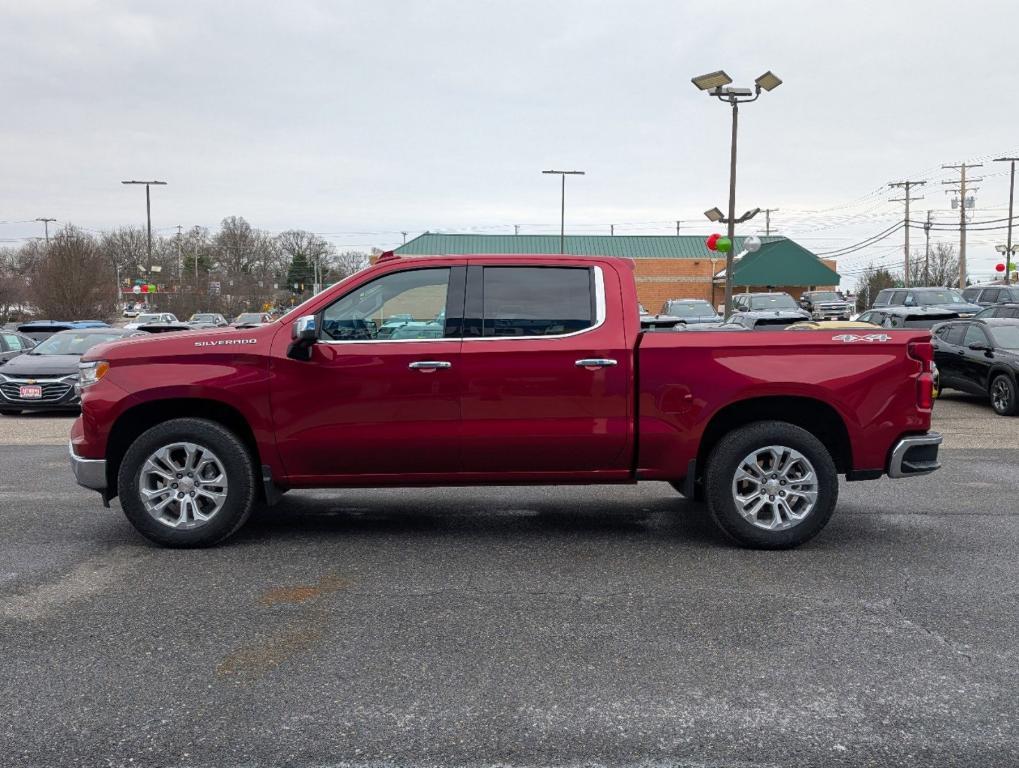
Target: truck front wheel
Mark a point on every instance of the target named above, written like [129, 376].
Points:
[771, 485]
[187, 483]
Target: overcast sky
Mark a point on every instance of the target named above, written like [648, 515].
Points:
[362, 119]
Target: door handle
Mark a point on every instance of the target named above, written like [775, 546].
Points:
[595, 362]
[429, 365]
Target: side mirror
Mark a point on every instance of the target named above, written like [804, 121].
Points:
[304, 333]
[978, 346]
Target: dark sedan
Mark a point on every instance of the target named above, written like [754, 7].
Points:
[44, 378]
[980, 357]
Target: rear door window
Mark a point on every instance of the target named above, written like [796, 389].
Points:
[971, 294]
[537, 301]
[990, 295]
[898, 297]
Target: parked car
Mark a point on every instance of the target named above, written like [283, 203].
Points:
[980, 357]
[826, 305]
[691, 311]
[907, 317]
[941, 298]
[38, 330]
[13, 344]
[998, 310]
[150, 318]
[832, 325]
[989, 295]
[163, 327]
[251, 318]
[45, 377]
[766, 311]
[540, 376]
[207, 320]
[133, 310]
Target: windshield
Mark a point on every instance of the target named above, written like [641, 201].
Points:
[249, 317]
[203, 318]
[773, 301]
[1006, 336]
[150, 318]
[939, 297]
[825, 296]
[73, 343]
[691, 309]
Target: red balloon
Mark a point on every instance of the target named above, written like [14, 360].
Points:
[999, 267]
[712, 242]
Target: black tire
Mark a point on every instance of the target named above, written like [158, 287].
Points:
[726, 459]
[1003, 395]
[238, 467]
[9, 412]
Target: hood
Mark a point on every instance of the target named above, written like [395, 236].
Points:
[797, 314]
[960, 307]
[183, 343]
[41, 366]
[693, 319]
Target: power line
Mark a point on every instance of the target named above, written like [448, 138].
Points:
[962, 168]
[905, 185]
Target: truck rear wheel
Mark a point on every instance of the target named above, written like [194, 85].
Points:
[187, 483]
[771, 485]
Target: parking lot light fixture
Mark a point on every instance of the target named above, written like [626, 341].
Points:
[712, 80]
[562, 206]
[769, 81]
[716, 84]
[715, 215]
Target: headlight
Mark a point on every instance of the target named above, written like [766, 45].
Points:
[90, 373]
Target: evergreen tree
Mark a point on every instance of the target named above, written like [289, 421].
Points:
[300, 274]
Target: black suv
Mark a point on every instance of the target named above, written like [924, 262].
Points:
[989, 295]
[980, 357]
[943, 298]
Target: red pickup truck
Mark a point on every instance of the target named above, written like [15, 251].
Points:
[465, 370]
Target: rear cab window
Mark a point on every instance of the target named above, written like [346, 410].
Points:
[532, 301]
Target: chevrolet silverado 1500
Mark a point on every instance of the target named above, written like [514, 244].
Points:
[501, 370]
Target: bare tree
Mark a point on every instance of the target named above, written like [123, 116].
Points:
[298, 244]
[942, 270]
[13, 285]
[346, 264]
[73, 279]
[871, 282]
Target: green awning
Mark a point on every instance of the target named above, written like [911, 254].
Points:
[783, 262]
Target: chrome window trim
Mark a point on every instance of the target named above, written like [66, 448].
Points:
[599, 316]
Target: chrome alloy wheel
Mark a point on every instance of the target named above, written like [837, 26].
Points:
[1000, 395]
[182, 485]
[775, 488]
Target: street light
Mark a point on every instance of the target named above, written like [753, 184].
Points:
[148, 210]
[717, 84]
[1011, 197]
[562, 214]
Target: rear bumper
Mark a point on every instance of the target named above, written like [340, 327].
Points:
[915, 455]
[90, 473]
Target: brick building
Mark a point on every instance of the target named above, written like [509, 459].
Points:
[667, 267]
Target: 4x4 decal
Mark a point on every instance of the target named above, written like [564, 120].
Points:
[849, 338]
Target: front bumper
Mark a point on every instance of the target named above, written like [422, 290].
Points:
[915, 455]
[90, 473]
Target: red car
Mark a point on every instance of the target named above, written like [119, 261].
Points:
[501, 370]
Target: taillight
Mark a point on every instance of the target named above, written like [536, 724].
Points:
[922, 351]
[925, 391]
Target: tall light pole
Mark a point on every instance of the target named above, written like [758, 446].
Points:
[562, 213]
[148, 210]
[46, 225]
[717, 84]
[1011, 197]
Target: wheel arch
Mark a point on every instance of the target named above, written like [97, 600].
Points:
[808, 413]
[138, 418]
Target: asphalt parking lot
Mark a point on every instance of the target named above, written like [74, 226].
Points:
[507, 626]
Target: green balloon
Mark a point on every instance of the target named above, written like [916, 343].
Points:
[724, 244]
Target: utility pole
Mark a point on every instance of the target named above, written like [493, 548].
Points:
[962, 168]
[148, 213]
[677, 227]
[516, 229]
[1011, 197]
[767, 219]
[180, 260]
[46, 225]
[562, 213]
[404, 237]
[612, 230]
[906, 186]
[927, 250]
